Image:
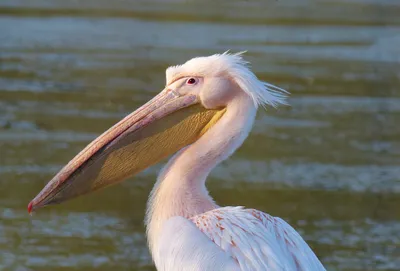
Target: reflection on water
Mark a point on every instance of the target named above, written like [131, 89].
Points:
[328, 164]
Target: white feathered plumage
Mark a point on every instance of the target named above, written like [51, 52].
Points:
[186, 229]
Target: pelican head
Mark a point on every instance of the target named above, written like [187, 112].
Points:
[197, 94]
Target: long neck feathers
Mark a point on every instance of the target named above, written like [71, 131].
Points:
[180, 188]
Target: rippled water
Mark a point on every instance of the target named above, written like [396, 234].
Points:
[329, 164]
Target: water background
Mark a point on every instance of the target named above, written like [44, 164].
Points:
[329, 164]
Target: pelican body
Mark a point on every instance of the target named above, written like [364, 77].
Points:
[202, 116]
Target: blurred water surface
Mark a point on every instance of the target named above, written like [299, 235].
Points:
[329, 164]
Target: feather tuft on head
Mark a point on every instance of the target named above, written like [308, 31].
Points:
[237, 68]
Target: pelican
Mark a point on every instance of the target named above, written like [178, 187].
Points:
[204, 113]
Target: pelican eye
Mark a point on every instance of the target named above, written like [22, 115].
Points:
[191, 81]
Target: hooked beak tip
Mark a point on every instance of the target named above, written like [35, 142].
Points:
[30, 207]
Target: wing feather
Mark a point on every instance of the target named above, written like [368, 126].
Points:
[257, 241]
[183, 247]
